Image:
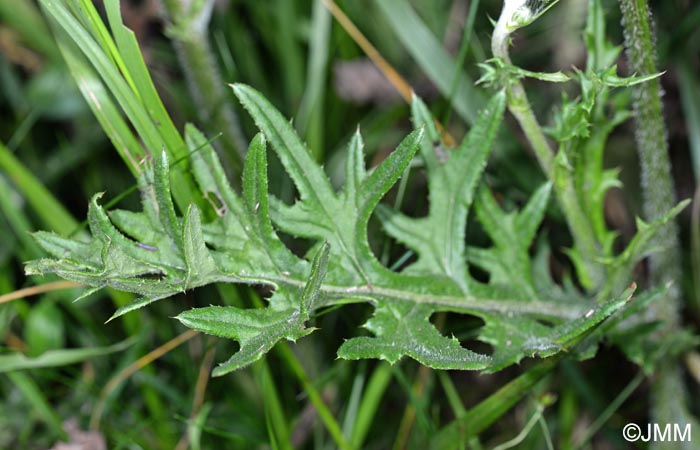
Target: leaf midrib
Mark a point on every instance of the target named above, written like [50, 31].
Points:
[466, 303]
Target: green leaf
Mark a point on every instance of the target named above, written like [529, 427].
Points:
[166, 208]
[405, 329]
[601, 53]
[638, 248]
[57, 358]
[454, 435]
[199, 262]
[258, 330]
[611, 79]
[508, 260]
[438, 239]
[81, 30]
[377, 184]
[297, 159]
[497, 73]
[383, 177]
[49, 210]
[157, 254]
[355, 172]
[319, 268]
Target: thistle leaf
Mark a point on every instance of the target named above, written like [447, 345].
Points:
[405, 329]
[157, 254]
[297, 159]
[199, 262]
[438, 239]
[257, 330]
[355, 172]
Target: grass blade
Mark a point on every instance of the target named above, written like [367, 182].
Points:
[51, 212]
[431, 56]
[56, 358]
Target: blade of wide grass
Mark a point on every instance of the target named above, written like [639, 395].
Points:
[487, 412]
[431, 56]
[451, 393]
[371, 398]
[133, 59]
[690, 96]
[464, 46]
[108, 70]
[51, 212]
[323, 411]
[117, 78]
[58, 358]
[353, 403]
[287, 46]
[277, 423]
[310, 117]
[17, 221]
[105, 111]
[92, 22]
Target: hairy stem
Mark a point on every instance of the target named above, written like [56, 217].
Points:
[658, 195]
[190, 20]
[519, 106]
[652, 146]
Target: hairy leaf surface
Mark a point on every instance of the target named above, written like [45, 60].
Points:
[159, 253]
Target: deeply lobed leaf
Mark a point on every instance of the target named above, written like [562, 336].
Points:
[157, 253]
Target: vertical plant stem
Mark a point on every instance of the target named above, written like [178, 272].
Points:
[190, 20]
[555, 169]
[668, 389]
[652, 146]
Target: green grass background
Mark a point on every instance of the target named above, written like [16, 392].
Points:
[54, 154]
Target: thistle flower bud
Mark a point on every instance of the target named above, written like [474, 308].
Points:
[516, 14]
